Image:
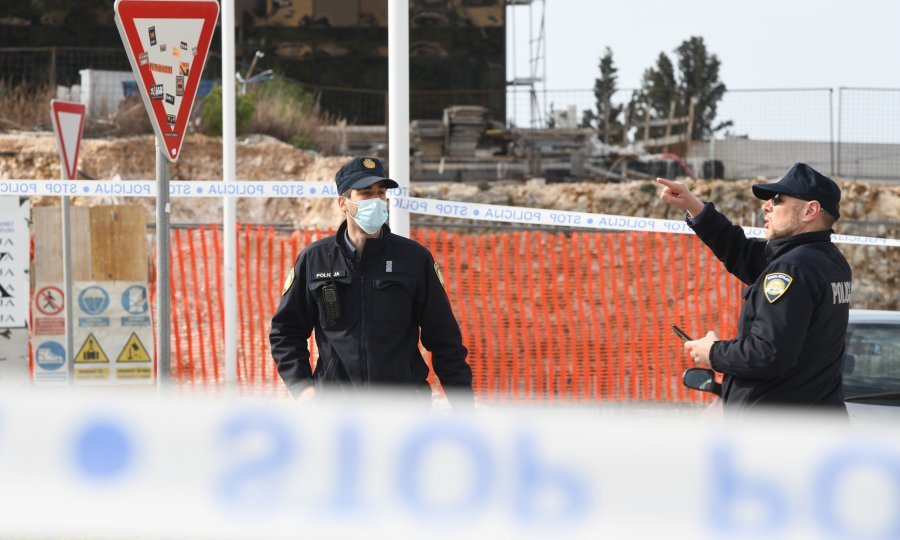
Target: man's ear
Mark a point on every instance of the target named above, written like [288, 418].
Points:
[342, 203]
[813, 210]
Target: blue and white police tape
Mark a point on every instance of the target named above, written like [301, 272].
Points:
[105, 465]
[431, 207]
[177, 188]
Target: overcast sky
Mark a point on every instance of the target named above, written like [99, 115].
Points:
[761, 43]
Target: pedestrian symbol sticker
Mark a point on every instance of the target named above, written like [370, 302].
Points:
[90, 352]
[133, 351]
[49, 301]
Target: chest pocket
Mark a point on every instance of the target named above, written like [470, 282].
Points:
[343, 292]
[748, 308]
[393, 299]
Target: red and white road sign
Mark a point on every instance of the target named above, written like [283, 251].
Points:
[167, 42]
[68, 124]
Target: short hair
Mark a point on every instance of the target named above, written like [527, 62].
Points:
[827, 218]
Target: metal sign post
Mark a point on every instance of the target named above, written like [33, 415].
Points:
[398, 108]
[229, 213]
[167, 44]
[68, 125]
[163, 298]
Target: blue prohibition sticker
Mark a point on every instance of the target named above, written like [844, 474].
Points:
[50, 355]
[134, 300]
[93, 300]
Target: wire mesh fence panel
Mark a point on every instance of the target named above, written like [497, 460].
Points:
[869, 133]
[770, 131]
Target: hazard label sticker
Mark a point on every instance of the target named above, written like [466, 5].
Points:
[49, 300]
[90, 352]
[134, 351]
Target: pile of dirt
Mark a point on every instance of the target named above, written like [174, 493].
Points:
[34, 156]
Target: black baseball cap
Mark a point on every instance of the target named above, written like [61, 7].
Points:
[806, 183]
[361, 172]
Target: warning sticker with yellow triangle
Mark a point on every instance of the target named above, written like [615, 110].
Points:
[90, 352]
[133, 351]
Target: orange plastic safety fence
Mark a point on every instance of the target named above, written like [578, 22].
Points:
[546, 316]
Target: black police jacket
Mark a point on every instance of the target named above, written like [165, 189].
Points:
[384, 298]
[793, 322]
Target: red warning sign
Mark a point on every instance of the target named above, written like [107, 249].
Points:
[49, 301]
[155, 34]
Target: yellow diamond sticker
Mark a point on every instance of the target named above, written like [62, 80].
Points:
[134, 351]
[90, 352]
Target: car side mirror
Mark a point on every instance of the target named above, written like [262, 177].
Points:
[701, 379]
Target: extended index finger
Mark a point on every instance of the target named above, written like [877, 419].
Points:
[668, 183]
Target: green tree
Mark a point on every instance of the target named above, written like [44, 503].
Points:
[697, 79]
[700, 81]
[658, 89]
[606, 119]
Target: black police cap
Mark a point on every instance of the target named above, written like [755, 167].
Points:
[804, 182]
[361, 172]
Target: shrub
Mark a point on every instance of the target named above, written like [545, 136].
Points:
[211, 112]
[286, 111]
[25, 107]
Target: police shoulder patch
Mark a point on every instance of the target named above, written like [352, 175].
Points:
[775, 285]
[288, 281]
[437, 272]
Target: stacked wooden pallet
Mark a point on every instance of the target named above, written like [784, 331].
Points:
[463, 126]
[427, 136]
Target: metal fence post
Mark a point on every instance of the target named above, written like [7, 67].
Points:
[831, 127]
[840, 118]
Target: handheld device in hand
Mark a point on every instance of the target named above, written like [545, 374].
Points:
[681, 334]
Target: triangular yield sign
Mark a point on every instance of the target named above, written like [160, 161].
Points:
[68, 124]
[167, 42]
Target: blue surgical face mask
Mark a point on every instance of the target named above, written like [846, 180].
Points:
[371, 214]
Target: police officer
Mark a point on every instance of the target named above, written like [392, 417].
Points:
[793, 322]
[367, 293]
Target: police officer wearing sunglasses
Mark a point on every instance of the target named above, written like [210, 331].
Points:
[793, 323]
[367, 293]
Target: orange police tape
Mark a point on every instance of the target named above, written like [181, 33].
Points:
[570, 317]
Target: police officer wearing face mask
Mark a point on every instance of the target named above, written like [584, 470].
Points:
[793, 323]
[368, 294]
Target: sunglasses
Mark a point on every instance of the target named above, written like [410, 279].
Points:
[777, 199]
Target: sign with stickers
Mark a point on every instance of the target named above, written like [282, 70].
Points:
[167, 42]
[113, 333]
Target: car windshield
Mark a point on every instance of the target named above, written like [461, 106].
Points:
[872, 361]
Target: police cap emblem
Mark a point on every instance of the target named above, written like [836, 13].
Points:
[775, 285]
[368, 163]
